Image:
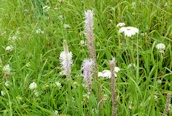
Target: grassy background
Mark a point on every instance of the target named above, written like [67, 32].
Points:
[140, 95]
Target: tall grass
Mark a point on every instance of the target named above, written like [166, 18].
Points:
[37, 32]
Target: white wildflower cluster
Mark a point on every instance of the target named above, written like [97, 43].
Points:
[131, 105]
[60, 17]
[36, 93]
[7, 69]
[28, 64]
[46, 8]
[26, 10]
[62, 72]
[160, 47]
[58, 84]
[107, 73]
[143, 34]
[32, 86]
[83, 43]
[133, 5]
[122, 24]
[86, 97]
[3, 93]
[131, 65]
[9, 48]
[7, 84]
[95, 110]
[159, 81]
[66, 26]
[14, 37]
[56, 113]
[75, 84]
[128, 31]
[39, 31]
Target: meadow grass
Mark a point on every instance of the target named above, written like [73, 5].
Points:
[37, 35]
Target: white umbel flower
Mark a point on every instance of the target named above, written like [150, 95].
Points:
[131, 65]
[32, 86]
[105, 74]
[116, 69]
[46, 8]
[160, 47]
[58, 84]
[66, 26]
[7, 69]
[39, 31]
[56, 112]
[83, 43]
[129, 31]
[7, 83]
[3, 93]
[9, 48]
[120, 24]
[60, 17]
[28, 64]
[36, 93]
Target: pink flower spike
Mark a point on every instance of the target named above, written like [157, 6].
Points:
[89, 23]
[87, 73]
[90, 34]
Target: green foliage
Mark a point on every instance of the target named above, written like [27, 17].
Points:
[37, 32]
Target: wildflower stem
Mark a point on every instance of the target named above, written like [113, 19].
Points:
[90, 104]
[66, 61]
[80, 89]
[89, 33]
[137, 73]
[70, 104]
[101, 109]
[168, 101]
[90, 38]
[65, 46]
[113, 89]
